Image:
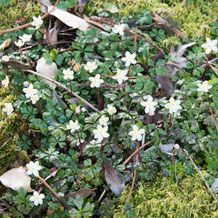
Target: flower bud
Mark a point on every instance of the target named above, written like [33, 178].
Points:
[177, 147]
[26, 84]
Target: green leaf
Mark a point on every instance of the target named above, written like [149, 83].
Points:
[111, 7]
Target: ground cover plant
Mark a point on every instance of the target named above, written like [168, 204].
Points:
[105, 111]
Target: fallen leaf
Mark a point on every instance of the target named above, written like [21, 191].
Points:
[5, 44]
[16, 178]
[18, 65]
[49, 71]
[83, 193]
[59, 100]
[165, 84]
[167, 149]
[113, 180]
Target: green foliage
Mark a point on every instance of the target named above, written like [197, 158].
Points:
[164, 198]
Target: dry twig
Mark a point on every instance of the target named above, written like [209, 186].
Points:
[64, 87]
[214, 118]
[201, 175]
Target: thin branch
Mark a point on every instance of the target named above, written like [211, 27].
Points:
[28, 24]
[54, 193]
[135, 38]
[64, 87]
[135, 152]
[130, 193]
[202, 177]
[214, 118]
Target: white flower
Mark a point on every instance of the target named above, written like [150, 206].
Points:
[119, 29]
[149, 105]
[129, 58]
[68, 74]
[136, 133]
[25, 37]
[5, 82]
[73, 126]
[30, 91]
[210, 46]
[8, 108]
[100, 133]
[37, 22]
[111, 109]
[19, 43]
[173, 105]
[33, 168]
[204, 87]
[37, 198]
[90, 66]
[83, 109]
[5, 58]
[104, 120]
[34, 98]
[96, 81]
[121, 76]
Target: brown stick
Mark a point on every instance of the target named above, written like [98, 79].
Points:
[214, 118]
[135, 152]
[54, 193]
[64, 87]
[202, 177]
[202, 99]
[25, 124]
[130, 193]
[80, 145]
[28, 24]
[135, 38]
[26, 55]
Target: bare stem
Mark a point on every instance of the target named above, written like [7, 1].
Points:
[71, 87]
[47, 35]
[54, 193]
[124, 88]
[26, 54]
[98, 97]
[202, 99]
[25, 124]
[20, 55]
[15, 88]
[135, 38]
[80, 145]
[128, 71]
[171, 117]
[102, 146]
[148, 122]
[121, 40]
[39, 108]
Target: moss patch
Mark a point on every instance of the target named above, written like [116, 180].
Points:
[188, 198]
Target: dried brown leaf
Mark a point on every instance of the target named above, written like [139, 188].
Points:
[83, 193]
[5, 44]
[113, 180]
[165, 84]
[16, 178]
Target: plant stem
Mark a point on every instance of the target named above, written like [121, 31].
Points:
[171, 117]
[25, 124]
[98, 97]
[80, 145]
[20, 55]
[47, 35]
[102, 146]
[15, 88]
[135, 38]
[7, 70]
[39, 108]
[121, 40]
[71, 87]
[205, 68]
[202, 99]
[124, 88]
[148, 121]
[26, 54]
[128, 71]
[54, 193]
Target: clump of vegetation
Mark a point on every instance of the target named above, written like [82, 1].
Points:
[186, 198]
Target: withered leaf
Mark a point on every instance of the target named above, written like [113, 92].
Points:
[16, 178]
[113, 180]
[165, 84]
[18, 65]
[83, 193]
[5, 44]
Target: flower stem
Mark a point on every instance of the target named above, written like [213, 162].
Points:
[15, 88]
[26, 54]
[128, 71]
[39, 108]
[54, 193]
[121, 40]
[71, 87]
[171, 117]
[7, 70]
[98, 97]
[20, 55]
[102, 146]
[25, 124]
[205, 68]
[148, 122]
[124, 89]
[80, 145]
[202, 99]
[47, 35]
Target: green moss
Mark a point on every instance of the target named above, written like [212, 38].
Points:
[191, 17]
[11, 131]
[188, 198]
[16, 10]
